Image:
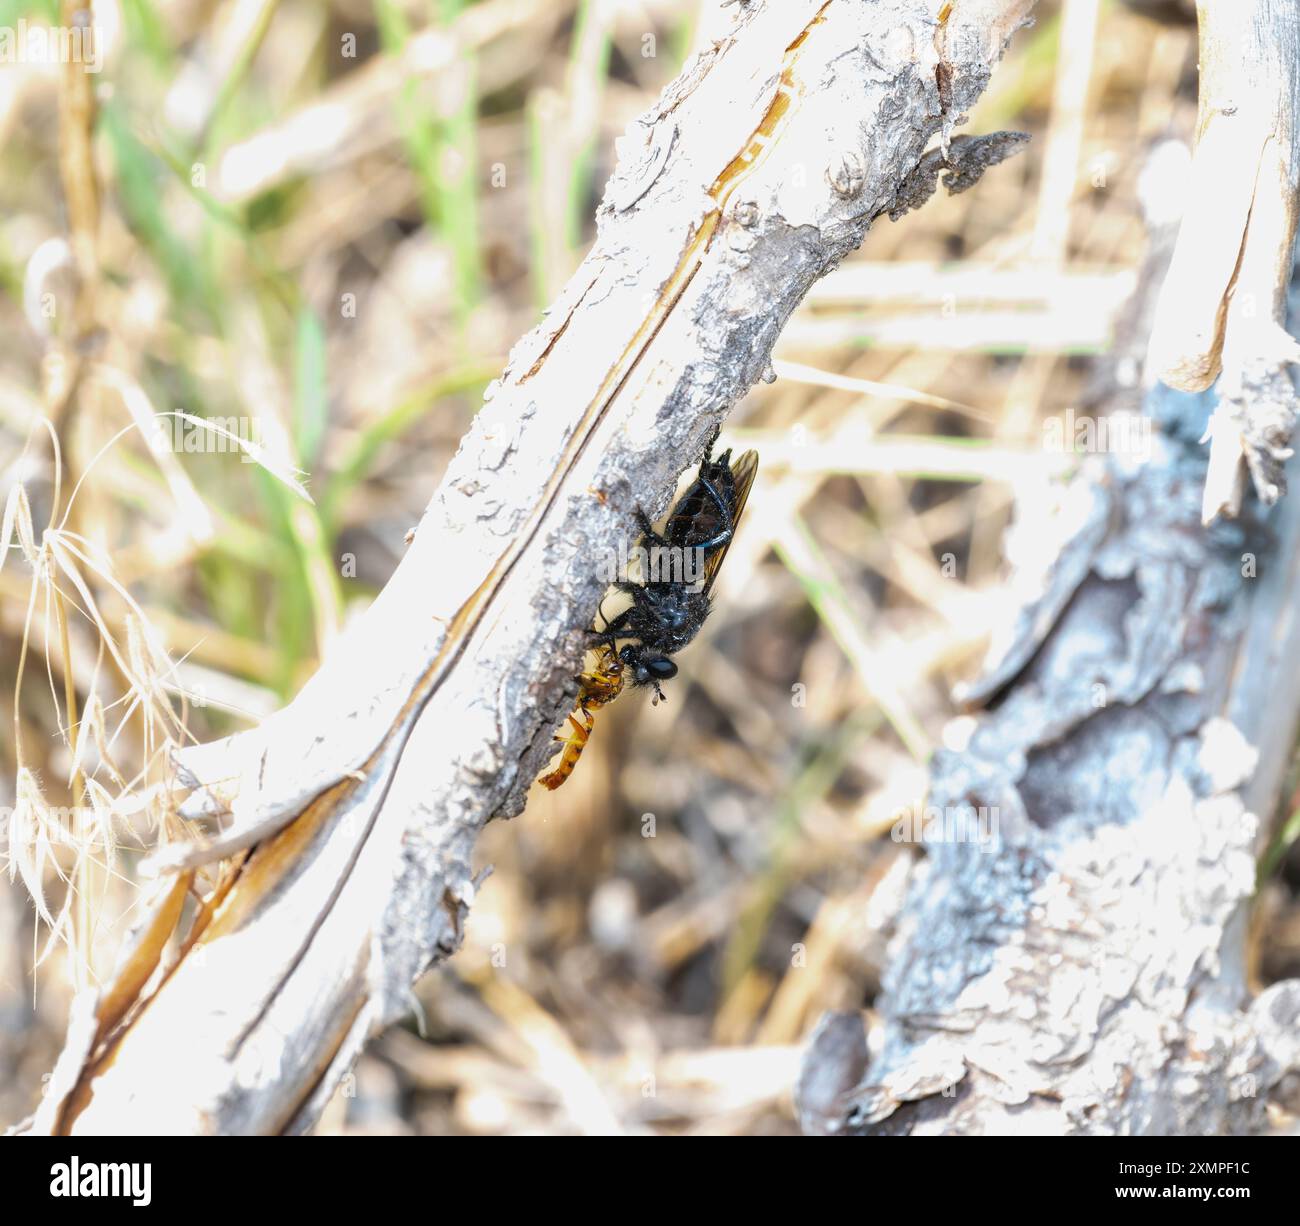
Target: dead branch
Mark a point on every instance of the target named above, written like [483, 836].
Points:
[1222, 310]
[1073, 952]
[358, 805]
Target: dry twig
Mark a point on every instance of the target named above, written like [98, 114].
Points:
[759, 169]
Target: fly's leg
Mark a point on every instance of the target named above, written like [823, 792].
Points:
[647, 527]
[620, 627]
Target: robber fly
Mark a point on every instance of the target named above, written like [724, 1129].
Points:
[667, 613]
[595, 689]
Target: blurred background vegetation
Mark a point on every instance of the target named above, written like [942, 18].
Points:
[321, 224]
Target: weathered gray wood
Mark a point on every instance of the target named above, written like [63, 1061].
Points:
[758, 170]
[1085, 970]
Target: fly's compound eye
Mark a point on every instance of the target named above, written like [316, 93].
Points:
[662, 668]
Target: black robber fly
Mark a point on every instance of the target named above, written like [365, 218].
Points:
[668, 609]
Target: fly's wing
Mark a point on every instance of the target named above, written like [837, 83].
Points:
[743, 472]
[683, 522]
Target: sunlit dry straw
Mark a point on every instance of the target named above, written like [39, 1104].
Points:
[71, 574]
